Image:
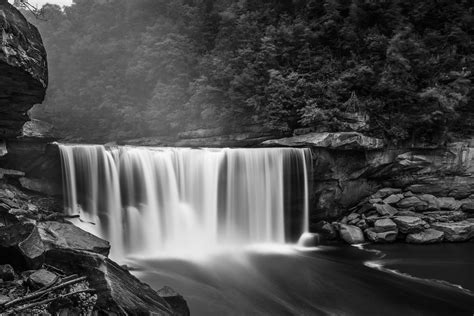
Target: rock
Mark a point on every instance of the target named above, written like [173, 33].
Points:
[457, 231]
[385, 209]
[448, 203]
[175, 300]
[309, 240]
[341, 141]
[352, 216]
[362, 224]
[325, 230]
[446, 216]
[41, 186]
[57, 235]
[385, 192]
[382, 237]
[10, 173]
[393, 199]
[117, 290]
[4, 299]
[431, 200]
[384, 225]
[36, 129]
[7, 273]
[22, 244]
[428, 236]
[22, 64]
[468, 206]
[42, 278]
[351, 234]
[414, 202]
[409, 224]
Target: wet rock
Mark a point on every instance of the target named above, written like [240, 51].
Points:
[413, 202]
[457, 231]
[351, 234]
[393, 199]
[409, 224]
[118, 292]
[42, 278]
[22, 245]
[384, 225]
[326, 230]
[67, 236]
[41, 186]
[309, 240]
[175, 300]
[385, 209]
[428, 236]
[381, 237]
[7, 273]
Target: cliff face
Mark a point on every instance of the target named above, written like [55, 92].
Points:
[23, 69]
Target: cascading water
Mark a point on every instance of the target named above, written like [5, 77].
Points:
[159, 201]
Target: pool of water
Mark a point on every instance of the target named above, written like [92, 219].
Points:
[329, 280]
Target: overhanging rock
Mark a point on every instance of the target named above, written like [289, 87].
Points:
[23, 70]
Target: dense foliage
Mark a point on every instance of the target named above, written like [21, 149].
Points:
[124, 69]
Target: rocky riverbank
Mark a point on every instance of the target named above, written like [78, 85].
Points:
[48, 265]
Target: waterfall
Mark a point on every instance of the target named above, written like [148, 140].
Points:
[156, 201]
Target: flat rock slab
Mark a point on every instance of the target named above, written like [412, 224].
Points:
[409, 224]
[428, 236]
[57, 235]
[340, 140]
[457, 231]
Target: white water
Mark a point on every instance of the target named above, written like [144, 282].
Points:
[171, 201]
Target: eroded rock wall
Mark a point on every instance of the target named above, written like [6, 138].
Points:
[23, 70]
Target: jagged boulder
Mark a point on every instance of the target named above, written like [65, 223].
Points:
[21, 246]
[57, 235]
[118, 292]
[23, 70]
[428, 236]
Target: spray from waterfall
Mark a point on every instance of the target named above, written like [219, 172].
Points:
[158, 201]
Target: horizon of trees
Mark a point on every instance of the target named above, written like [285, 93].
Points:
[125, 69]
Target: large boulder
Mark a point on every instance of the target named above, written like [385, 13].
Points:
[351, 234]
[57, 235]
[23, 70]
[118, 292]
[428, 236]
[340, 141]
[21, 246]
[457, 231]
[409, 224]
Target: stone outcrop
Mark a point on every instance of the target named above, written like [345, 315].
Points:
[119, 292]
[340, 141]
[23, 70]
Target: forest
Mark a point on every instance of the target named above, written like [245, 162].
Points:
[122, 69]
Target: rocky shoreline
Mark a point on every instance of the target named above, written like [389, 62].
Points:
[391, 215]
[50, 266]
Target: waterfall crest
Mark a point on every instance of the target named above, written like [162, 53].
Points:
[156, 201]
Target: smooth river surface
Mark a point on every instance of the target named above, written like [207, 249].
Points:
[328, 280]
